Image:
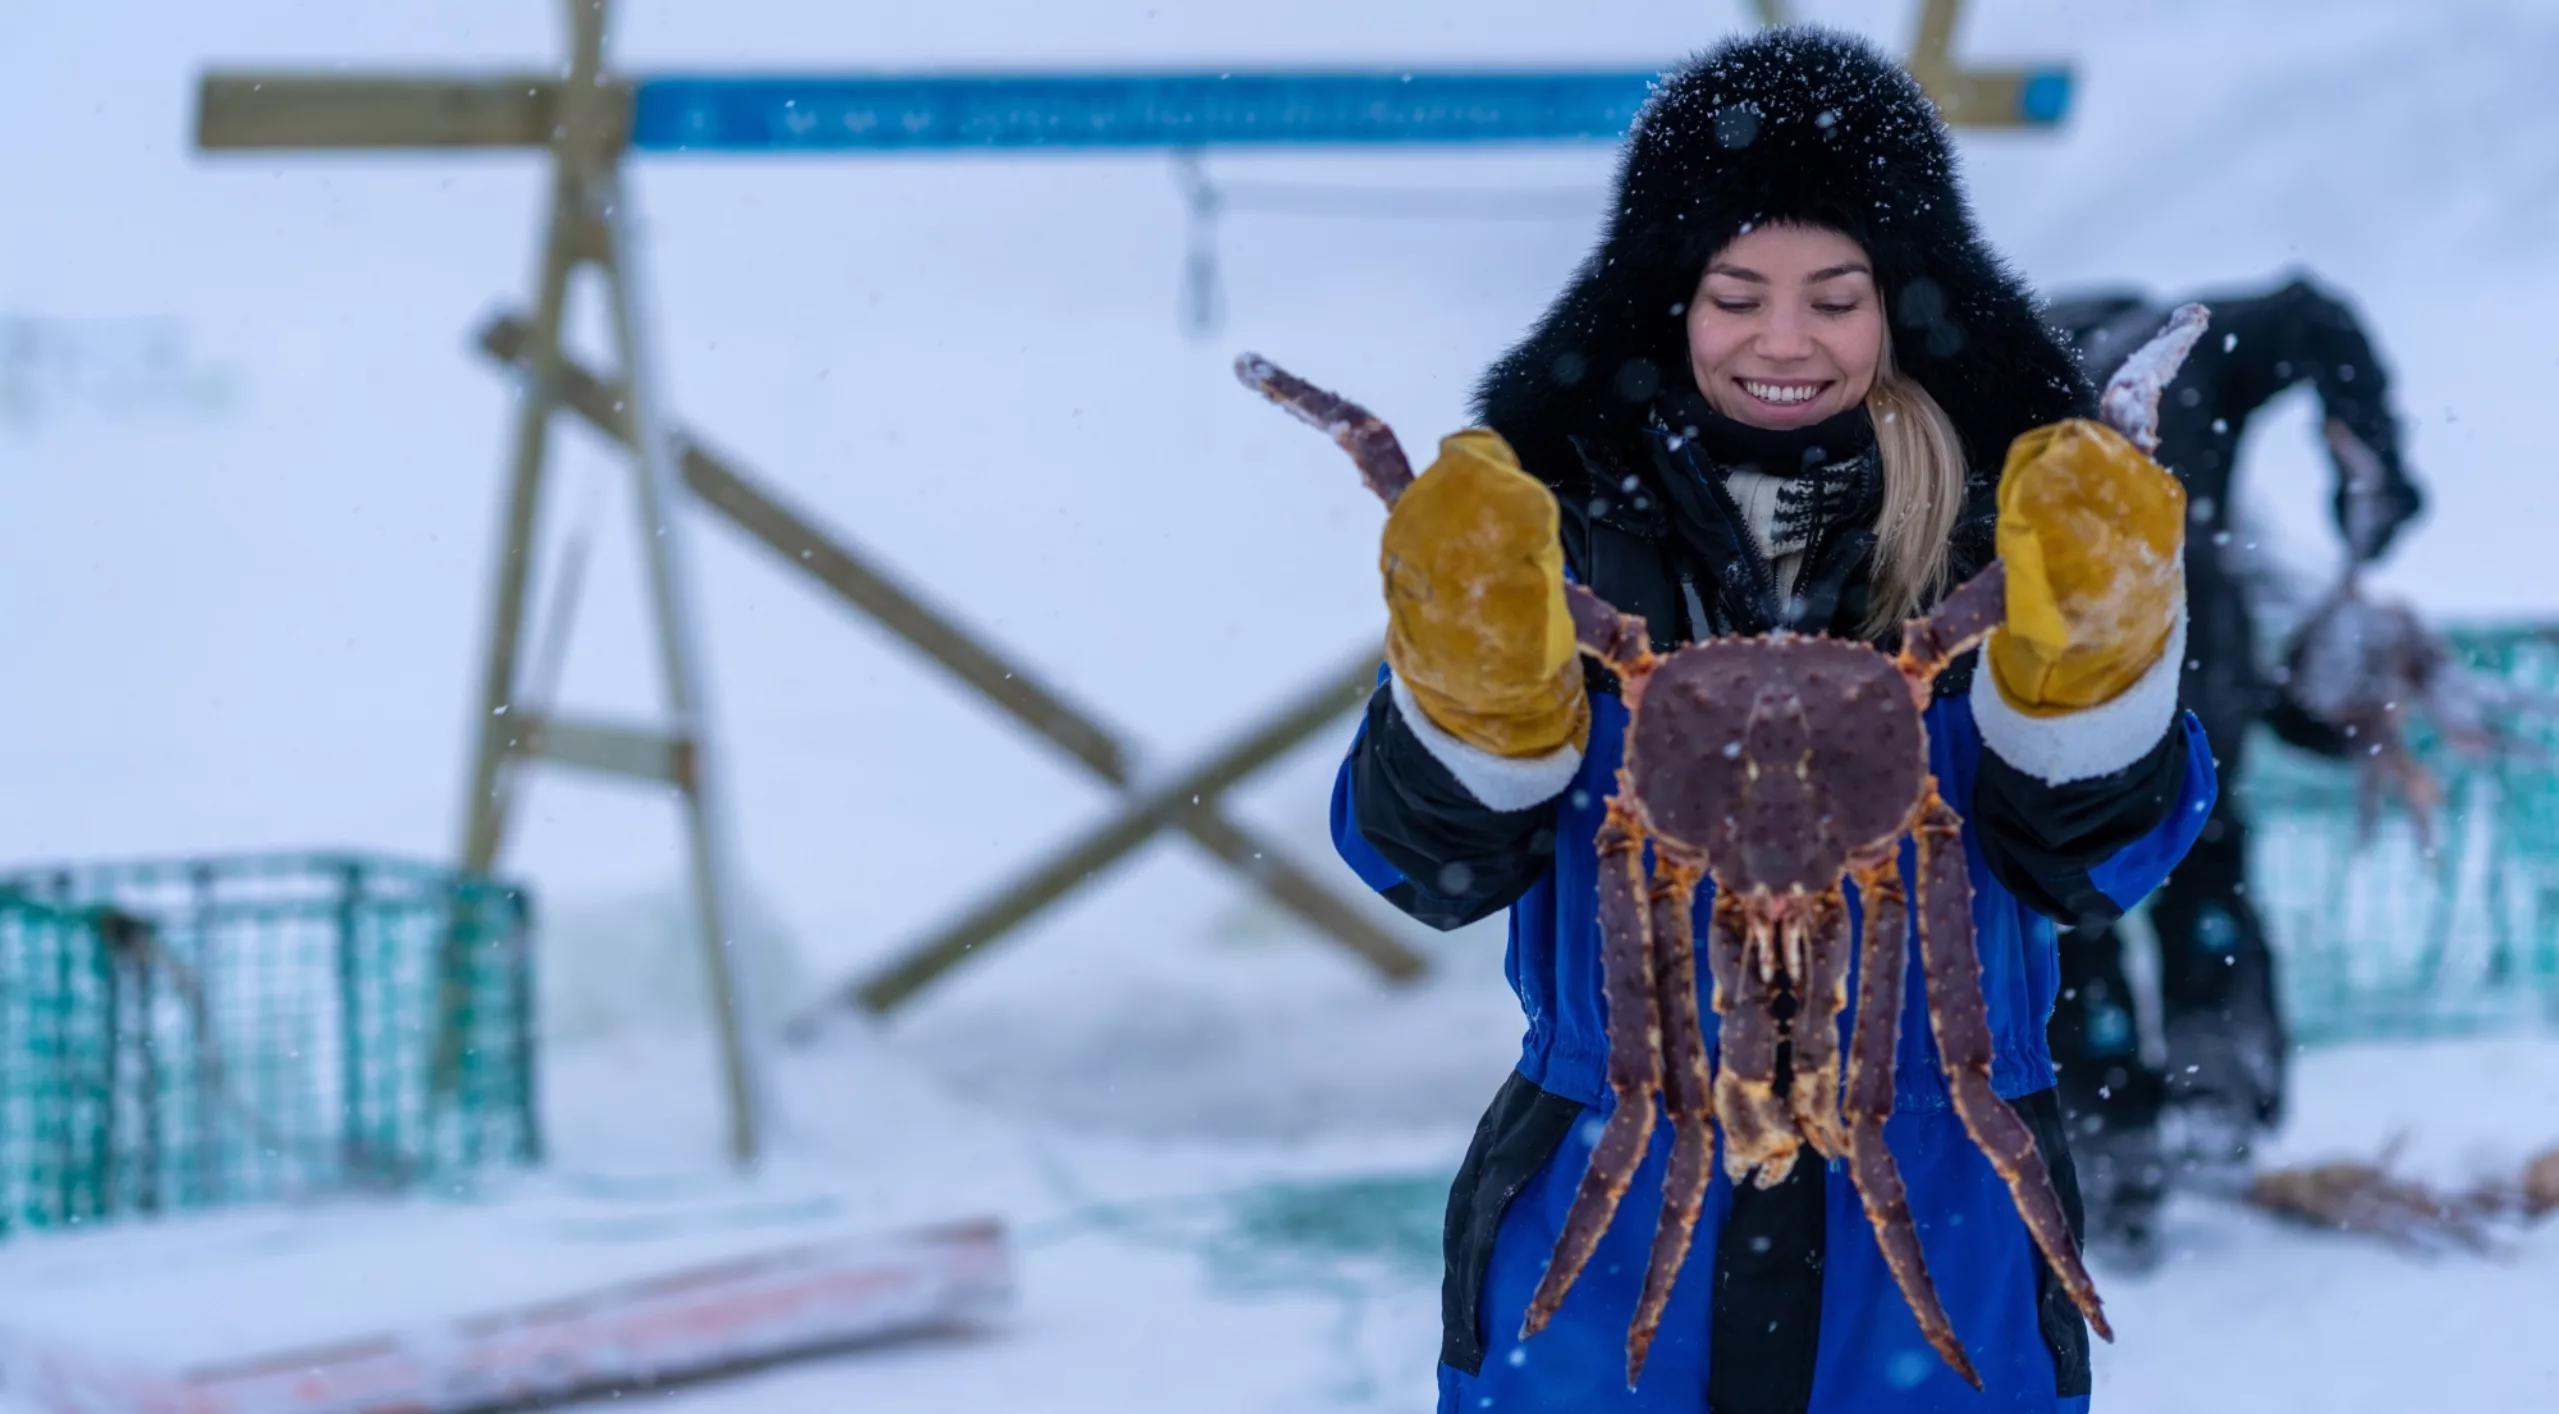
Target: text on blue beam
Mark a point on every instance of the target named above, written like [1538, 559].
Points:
[1130, 110]
[707, 113]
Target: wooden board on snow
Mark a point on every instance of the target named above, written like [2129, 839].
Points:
[806, 1299]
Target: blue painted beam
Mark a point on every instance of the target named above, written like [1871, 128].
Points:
[706, 113]
[920, 112]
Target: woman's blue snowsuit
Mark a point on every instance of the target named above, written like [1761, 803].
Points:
[1871, 1354]
[1599, 400]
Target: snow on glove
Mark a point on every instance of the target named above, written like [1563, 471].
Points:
[1477, 631]
[2093, 536]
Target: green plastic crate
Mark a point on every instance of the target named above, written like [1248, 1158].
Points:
[193, 1033]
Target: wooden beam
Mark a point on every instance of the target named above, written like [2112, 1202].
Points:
[632, 753]
[1168, 804]
[1932, 49]
[2002, 98]
[1301, 893]
[1982, 98]
[275, 111]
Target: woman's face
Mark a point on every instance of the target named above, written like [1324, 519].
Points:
[1785, 328]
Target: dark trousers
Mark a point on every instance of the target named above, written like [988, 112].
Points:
[2216, 977]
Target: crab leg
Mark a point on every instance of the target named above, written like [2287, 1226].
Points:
[1821, 994]
[1959, 621]
[1871, 1049]
[2357, 1197]
[1617, 639]
[1961, 1021]
[1634, 1058]
[1355, 429]
[2130, 402]
[1688, 1093]
[1759, 1135]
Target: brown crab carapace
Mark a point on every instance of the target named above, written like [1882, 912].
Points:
[1780, 768]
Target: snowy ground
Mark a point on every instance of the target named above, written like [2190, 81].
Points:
[1145, 1283]
[250, 623]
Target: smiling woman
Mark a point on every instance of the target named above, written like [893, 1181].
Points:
[1786, 331]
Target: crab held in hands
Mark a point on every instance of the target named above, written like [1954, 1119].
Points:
[1779, 768]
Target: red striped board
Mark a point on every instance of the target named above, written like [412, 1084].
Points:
[702, 1321]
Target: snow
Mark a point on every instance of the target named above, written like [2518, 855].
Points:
[2307, 1321]
[1132, 1296]
[249, 620]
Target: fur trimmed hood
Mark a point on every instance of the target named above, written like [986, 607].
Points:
[1796, 124]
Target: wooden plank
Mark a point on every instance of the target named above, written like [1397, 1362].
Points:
[1168, 804]
[664, 532]
[628, 752]
[491, 792]
[1982, 98]
[688, 1325]
[2003, 98]
[1302, 894]
[1932, 49]
[485, 824]
[757, 512]
[301, 111]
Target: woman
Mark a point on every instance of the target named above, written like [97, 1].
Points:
[1778, 396]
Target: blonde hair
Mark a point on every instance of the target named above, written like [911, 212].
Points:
[1923, 464]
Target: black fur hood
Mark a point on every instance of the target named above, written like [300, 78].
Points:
[1796, 124]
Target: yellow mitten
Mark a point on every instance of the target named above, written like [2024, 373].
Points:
[2093, 534]
[1476, 624]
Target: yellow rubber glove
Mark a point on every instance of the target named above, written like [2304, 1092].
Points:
[1476, 623]
[2093, 534]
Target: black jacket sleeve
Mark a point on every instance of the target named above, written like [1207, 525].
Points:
[2042, 840]
[2302, 333]
[1461, 859]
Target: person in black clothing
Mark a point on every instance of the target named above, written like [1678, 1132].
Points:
[2224, 1031]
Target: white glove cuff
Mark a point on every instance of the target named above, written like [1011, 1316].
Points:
[1504, 783]
[2092, 741]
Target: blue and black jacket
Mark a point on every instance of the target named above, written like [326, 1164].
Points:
[1786, 1305]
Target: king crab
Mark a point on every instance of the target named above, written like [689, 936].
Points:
[2365, 665]
[1780, 768]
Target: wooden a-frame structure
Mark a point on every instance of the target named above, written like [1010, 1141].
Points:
[585, 118]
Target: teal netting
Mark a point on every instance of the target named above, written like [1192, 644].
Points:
[192, 1033]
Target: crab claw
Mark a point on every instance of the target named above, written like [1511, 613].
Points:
[2130, 404]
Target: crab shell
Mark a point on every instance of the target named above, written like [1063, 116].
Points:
[1815, 742]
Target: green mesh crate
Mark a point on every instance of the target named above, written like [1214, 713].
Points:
[2389, 938]
[187, 1034]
